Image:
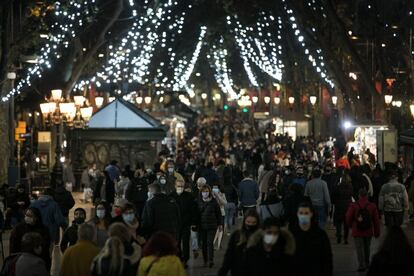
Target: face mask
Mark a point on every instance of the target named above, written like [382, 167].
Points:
[270, 239]
[304, 219]
[180, 190]
[287, 172]
[251, 228]
[158, 176]
[79, 220]
[100, 214]
[29, 220]
[170, 170]
[163, 181]
[205, 195]
[216, 190]
[116, 212]
[128, 218]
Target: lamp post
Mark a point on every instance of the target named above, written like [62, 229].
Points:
[335, 114]
[313, 100]
[388, 101]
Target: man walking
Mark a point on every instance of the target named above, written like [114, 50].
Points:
[362, 216]
[249, 192]
[318, 192]
[393, 199]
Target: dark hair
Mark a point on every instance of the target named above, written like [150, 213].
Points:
[246, 174]
[271, 221]
[362, 192]
[156, 187]
[128, 206]
[160, 244]
[113, 162]
[37, 214]
[316, 173]
[80, 209]
[395, 246]
[307, 204]
[251, 213]
[30, 241]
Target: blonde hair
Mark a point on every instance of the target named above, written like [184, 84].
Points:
[120, 231]
[114, 250]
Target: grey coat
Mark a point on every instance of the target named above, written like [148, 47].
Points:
[30, 265]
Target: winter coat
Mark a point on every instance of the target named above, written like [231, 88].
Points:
[102, 268]
[248, 192]
[77, 259]
[188, 208]
[341, 198]
[31, 265]
[387, 264]
[393, 197]
[264, 181]
[161, 213]
[291, 203]
[278, 261]
[137, 190]
[51, 214]
[21, 229]
[210, 214]
[64, 199]
[211, 177]
[167, 265]
[351, 215]
[231, 193]
[313, 255]
[235, 254]
[70, 237]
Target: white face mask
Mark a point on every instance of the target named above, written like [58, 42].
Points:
[179, 190]
[163, 181]
[150, 195]
[100, 214]
[270, 239]
[216, 190]
[170, 170]
[29, 220]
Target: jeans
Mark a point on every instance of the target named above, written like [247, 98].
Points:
[207, 239]
[321, 216]
[394, 218]
[363, 249]
[184, 243]
[230, 212]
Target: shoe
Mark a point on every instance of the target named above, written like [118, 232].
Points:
[211, 264]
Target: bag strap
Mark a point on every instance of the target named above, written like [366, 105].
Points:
[270, 212]
[151, 265]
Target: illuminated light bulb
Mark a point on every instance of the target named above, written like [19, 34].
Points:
[276, 100]
[313, 100]
[255, 99]
[56, 95]
[291, 100]
[388, 99]
[204, 96]
[139, 100]
[267, 99]
[334, 100]
[99, 101]
[147, 100]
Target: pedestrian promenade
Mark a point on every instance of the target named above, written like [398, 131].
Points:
[345, 263]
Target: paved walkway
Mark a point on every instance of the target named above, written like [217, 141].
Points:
[344, 255]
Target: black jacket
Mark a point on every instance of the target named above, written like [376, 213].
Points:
[258, 262]
[341, 198]
[137, 190]
[313, 256]
[188, 208]
[161, 213]
[231, 193]
[64, 199]
[70, 237]
[210, 214]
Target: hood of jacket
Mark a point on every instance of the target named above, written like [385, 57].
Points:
[44, 199]
[290, 245]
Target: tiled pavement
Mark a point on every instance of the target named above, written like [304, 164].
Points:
[344, 255]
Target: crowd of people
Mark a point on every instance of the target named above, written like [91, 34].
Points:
[151, 220]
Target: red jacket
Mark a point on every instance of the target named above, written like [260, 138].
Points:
[344, 163]
[351, 218]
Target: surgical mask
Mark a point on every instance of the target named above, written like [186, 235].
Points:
[163, 181]
[170, 170]
[100, 214]
[205, 195]
[304, 219]
[179, 190]
[216, 190]
[79, 220]
[29, 220]
[270, 239]
[128, 218]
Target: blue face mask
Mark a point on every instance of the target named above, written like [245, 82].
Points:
[304, 219]
[128, 218]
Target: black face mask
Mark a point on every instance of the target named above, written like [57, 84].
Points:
[250, 229]
[79, 220]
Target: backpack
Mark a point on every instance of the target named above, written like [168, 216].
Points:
[9, 265]
[363, 218]
[393, 202]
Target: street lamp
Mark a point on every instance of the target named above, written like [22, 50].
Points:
[291, 100]
[412, 109]
[267, 99]
[276, 100]
[147, 100]
[388, 99]
[99, 101]
[312, 100]
[334, 100]
[398, 104]
[255, 99]
[139, 100]
[204, 96]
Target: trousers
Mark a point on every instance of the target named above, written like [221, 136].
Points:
[207, 243]
[184, 243]
[394, 218]
[363, 250]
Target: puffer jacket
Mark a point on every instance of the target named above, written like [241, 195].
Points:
[210, 214]
[278, 261]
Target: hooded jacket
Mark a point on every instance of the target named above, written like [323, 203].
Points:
[352, 213]
[64, 199]
[278, 261]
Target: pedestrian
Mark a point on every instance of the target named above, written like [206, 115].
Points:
[248, 192]
[221, 200]
[317, 191]
[113, 171]
[161, 213]
[269, 251]
[132, 250]
[210, 175]
[160, 257]
[341, 198]
[235, 252]
[362, 216]
[394, 257]
[210, 221]
[291, 202]
[70, 236]
[32, 223]
[171, 176]
[30, 262]
[393, 199]
[77, 259]
[189, 218]
[271, 206]
[131, 221]
[122, 185]
[137, 192]
[111, 261]
[264, 181]
[100, 222]
[51, 214]
[313, 255]
[64, 199]
[230, 208]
